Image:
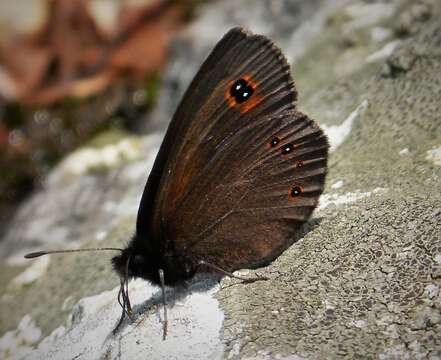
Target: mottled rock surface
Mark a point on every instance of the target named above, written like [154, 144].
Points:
[364, 281]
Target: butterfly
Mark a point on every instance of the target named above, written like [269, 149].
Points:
[239, 171]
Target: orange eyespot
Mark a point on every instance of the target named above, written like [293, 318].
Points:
[240, 94]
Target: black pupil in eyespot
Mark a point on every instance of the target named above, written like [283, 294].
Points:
[287, 149]
[296, 191]
[275, 141]
[241, 90]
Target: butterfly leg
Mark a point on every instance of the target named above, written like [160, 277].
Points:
[227, 273]
[164, 302]
[124, 302]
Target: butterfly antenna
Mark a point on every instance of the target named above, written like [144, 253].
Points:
[41, 253]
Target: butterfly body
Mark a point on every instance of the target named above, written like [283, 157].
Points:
[145, 265]
[238, 173]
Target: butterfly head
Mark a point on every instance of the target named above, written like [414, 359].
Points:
[132, 263]
[129, 264]
[121, 263]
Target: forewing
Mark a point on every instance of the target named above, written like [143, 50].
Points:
[218, 182]
[161, 184]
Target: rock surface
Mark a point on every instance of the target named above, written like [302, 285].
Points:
[363, 282]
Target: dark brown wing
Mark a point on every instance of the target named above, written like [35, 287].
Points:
[200, 89]
[217, 182]
[272, 174]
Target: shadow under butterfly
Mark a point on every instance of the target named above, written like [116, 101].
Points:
[238, 173]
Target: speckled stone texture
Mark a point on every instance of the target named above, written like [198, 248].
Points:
[363, 283]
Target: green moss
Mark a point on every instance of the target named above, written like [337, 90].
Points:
[151, 87]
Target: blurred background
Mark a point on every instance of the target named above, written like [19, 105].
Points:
[71, 69]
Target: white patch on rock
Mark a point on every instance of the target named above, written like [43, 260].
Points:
[385, 320]
[405, 253]
[364, 15]
[235, 350]
[419, 352]
[83, 160]
[404, 152]
[431, 290]
[395, 352]
[434, 155]
[384, 52]
[18, 343]
[360, 324]
[266, 355]
[341, 199]
[36, 269]
[379, 34]
[337, 134]
[67, 303]
[438, 259]
[301, 39]
[328, 304]
[337, 185]
[101, 235]
[18, 259]
[193, 329]
[393, 331]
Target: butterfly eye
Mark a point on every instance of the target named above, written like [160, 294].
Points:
[295, 191]
[241, 90]
[287, 149]
[274, 141]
